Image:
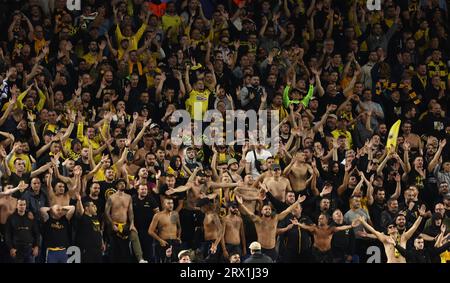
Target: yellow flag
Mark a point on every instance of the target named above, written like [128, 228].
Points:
[393, 134]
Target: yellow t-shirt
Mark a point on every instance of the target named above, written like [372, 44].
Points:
[336, 133]
[90, 58]
[170, 21]
[25, 157]
[197, 103]
[445, 257]
[100, 175]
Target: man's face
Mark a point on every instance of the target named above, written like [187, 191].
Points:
[143, 173]
[382, 129]
[418, 244]
[160, 154]
[36, 185]
[356, 203]
[380, 196]
[324, 204]
[409, 196]
[338, 217]
[170, 181]
[109, 173]
[90, 132]
[443, 188]
[21, 206]
[290, 198]
[277, 172]
[418, 162]
[151, 160]
[254, 81]
[439, 208]
[391, 229]
[59, 188]
[95, 190]
[20, 165]
[143, 191]
[235, 258]
[121, 186]
[393, 206]
[190, 153]
[109, 76]
[93, 46]
[92, 209]
[248, 180]
[234, 210]
[186, 258]
[85, 152]
[407, 128]
[436, 110]
[168, 204]
[322, 220]
[400, 221]
[266, 211]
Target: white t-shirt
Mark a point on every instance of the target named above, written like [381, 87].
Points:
[261, 156]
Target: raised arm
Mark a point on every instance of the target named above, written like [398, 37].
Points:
[436, 157]
[288, 210]
[408, 234]
[187, 83]
[246, 211]
[380, 236]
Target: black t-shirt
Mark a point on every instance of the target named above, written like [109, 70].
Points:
[88, 232]
[86, 167]
[143, 211]
[375, 211]
[14, 179]
[291, 238]
[414, 178]
[99, 203]
[106, 190]
[57, 232]
[327, 99]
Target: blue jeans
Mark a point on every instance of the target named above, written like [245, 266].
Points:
[57, 256]
[24, 254]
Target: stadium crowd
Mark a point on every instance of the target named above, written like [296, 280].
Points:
[88, 156]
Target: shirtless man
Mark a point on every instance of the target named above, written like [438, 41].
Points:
[234, 236]
[213, 231]
[58, 195]
[323, 234]
[393, 256]
[250, 197]
[266, 225]
[277, 184]
[139, 157]
[411, 138]
[8, 206]
[166, 229]
[297, 172]
[119, 215]
[248, 192]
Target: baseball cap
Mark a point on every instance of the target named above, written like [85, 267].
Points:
[248, 20]
[314, 98]
[154, 125]
[276, 166]
[120, 180]
[231, 161]
[184, 253]
[255, 246]
[332, 116]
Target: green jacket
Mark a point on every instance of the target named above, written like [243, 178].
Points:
[304, 101]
